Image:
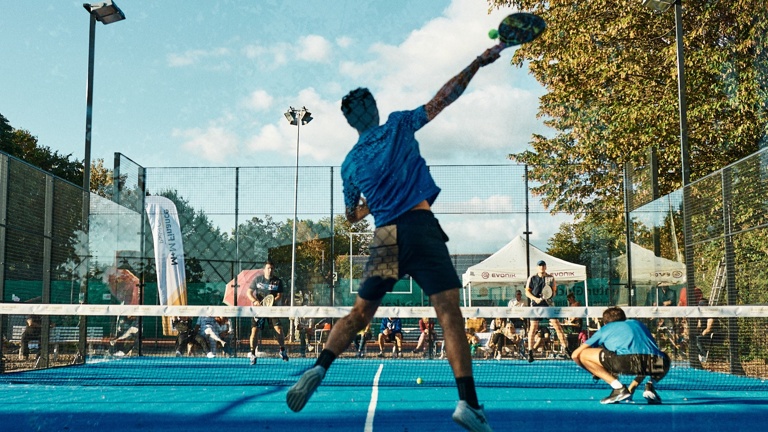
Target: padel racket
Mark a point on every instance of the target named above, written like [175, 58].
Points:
[268, 300]
[546, 292]
[520, 28]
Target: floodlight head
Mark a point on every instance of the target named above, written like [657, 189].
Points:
[105, 12]
[290, 115]
[294, 116]
[658, 5]
[306, 116]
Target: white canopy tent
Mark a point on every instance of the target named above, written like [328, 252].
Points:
[648, 269]
[508, 266]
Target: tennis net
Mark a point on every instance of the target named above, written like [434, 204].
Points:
[140, 345]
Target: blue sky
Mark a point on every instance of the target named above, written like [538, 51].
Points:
[206, 83]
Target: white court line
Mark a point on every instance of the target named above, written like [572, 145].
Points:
[374, 401]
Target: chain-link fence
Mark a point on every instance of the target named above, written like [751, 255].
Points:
[233, 219]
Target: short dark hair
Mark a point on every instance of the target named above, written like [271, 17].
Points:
[614, 314]
[356, 95]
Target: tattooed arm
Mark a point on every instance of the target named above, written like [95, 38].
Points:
[456, 85]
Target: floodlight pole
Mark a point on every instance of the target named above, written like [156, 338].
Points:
[88, 123]
[107, 12]
[685, 162]
[663, 6]
[296, 117]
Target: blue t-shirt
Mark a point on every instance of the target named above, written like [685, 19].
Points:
[393, 325]
[625, 337]
[385, 167]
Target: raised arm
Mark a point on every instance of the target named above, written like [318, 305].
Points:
[456, 85]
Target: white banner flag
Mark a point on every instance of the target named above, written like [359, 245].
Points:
[169, 251]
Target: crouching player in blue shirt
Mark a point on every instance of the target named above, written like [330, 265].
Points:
[623, 347]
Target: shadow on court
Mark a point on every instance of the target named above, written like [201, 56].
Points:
[32, 407]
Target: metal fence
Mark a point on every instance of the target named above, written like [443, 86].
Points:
[728, 220]
[233, 219]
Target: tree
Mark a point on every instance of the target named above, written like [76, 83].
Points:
[5, 133]
[609, 68]
[101, 179]
[22, 144]
[589, 242]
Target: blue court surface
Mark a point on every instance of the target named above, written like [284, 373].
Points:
[59, 406]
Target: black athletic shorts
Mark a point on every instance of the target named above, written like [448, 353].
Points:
[262, 323]
[635, 364]
[391, 336]
[413, 244]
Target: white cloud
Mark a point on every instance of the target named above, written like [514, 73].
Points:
[344, 41]
[268, 139]
[483, 235]
[321, 142]
[191, 57]
[497, 113]
[213, 144]
[258, 100]
[270, 57]
[489, 232]
[495, 116]
[311, 48]
[314, 48]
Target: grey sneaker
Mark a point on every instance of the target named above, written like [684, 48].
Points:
[471, 419]
[617, 395]
[299, 394]
[650, 395]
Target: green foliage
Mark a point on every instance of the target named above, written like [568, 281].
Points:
[609, 68]
[25, 146]
[590, 242]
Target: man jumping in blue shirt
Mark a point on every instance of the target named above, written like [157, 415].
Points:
[385, 176]
[623, 347]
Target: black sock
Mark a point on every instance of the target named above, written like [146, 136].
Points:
[466, 386]
[325, 359]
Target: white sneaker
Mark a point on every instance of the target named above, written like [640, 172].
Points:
[498, 355]
[178, 353]
[119, 354]
[210, 355]
[471, 419]
[299, 394]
